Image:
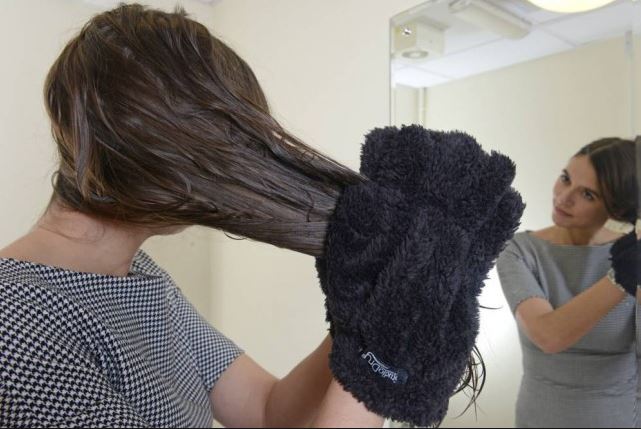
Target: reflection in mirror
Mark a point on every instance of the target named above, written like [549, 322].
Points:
[539, 86]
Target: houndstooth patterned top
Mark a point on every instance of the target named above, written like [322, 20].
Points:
[90, 350]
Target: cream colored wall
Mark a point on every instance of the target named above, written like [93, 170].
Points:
[32, 34]
[539, 113]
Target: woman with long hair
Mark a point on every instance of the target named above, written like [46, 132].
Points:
[571, 287]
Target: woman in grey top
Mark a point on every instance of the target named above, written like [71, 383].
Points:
[576, 322]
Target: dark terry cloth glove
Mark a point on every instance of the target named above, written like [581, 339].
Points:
[405, 258]
[625, 256]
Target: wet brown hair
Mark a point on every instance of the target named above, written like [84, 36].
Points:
[614, 160]
[158, 123]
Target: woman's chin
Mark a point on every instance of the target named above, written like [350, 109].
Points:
[561, 221]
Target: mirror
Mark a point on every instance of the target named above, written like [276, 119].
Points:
[537, 86]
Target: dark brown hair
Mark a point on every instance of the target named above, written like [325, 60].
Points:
[614, 161]
[158, 123]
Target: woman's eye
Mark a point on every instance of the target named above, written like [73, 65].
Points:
[564, 178]
[589, 196]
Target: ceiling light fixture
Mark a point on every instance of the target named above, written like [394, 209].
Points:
[417, 40]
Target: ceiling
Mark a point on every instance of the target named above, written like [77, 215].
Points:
[470, 50]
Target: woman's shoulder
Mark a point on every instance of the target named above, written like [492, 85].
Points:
[541, 240]
[144, 264]
[13, 272]
[32, 307]
[548, 234]
[522, 241]
[524, 247]
[74, 309]
[34, 285]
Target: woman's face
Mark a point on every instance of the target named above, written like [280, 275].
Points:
[578, 202]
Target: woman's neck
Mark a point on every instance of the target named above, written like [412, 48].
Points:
[78, 242]
[580, 237]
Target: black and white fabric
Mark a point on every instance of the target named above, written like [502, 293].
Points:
[89, 350]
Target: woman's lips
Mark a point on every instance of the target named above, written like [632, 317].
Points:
[561, 212]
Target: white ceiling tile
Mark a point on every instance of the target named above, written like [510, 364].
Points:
[496, 55]
[417, 78]
[599, 24]
[465, 36]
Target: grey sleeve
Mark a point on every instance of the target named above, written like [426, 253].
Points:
[517, 280]
[212, 350]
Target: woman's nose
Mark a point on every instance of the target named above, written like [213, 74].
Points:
[565, 198]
